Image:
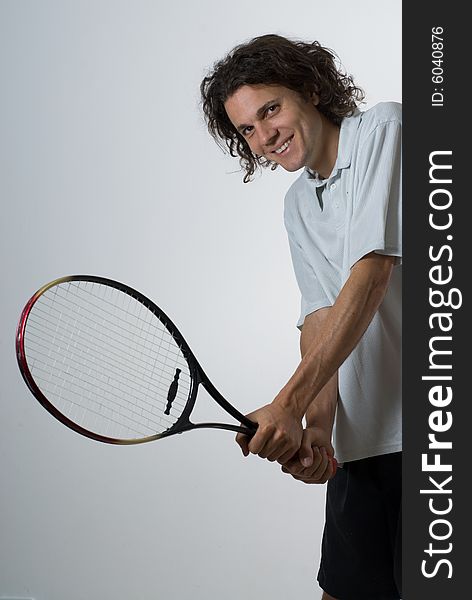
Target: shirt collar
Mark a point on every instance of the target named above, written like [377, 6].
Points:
[347, 136]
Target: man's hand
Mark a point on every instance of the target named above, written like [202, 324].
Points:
[315, 462]
[278, 436]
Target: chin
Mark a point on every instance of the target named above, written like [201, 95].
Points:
[293, 164]
[292, 167]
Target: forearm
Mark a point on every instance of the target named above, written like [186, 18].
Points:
[338, 333]
[322, 409]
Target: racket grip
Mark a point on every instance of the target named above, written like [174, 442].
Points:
[334, 463]
[249, 427]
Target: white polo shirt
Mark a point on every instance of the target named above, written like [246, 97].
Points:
[331, 224]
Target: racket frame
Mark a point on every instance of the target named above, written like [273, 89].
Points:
[197, 375]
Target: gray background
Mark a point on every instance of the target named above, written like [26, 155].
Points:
[106, 168]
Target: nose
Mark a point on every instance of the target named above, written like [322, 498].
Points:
[267, 134]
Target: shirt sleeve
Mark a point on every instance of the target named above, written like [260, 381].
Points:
[376, 206]
[313, 296]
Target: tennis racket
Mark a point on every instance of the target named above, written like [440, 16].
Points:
[108, 363]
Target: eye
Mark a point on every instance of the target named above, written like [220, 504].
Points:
[272, 109]
[247, 130]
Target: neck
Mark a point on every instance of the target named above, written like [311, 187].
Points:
[329, 150]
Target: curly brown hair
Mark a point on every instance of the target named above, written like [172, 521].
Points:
[303, 67]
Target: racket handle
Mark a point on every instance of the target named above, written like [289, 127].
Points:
[334, 463]
[248, 427]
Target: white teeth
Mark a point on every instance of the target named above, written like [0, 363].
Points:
[284, 146]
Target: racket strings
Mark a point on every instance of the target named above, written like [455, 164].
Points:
[105, 361]
[115, 329]
[94, 379]
[88, 347]
[88, 351]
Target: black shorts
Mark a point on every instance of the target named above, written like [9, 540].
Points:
[361, 548]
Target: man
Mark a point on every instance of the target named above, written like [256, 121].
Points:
[275, 101]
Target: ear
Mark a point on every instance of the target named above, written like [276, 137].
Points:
[315, 99]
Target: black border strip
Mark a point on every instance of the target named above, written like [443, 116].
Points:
[435, 521]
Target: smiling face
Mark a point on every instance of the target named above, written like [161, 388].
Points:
[280, 125]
